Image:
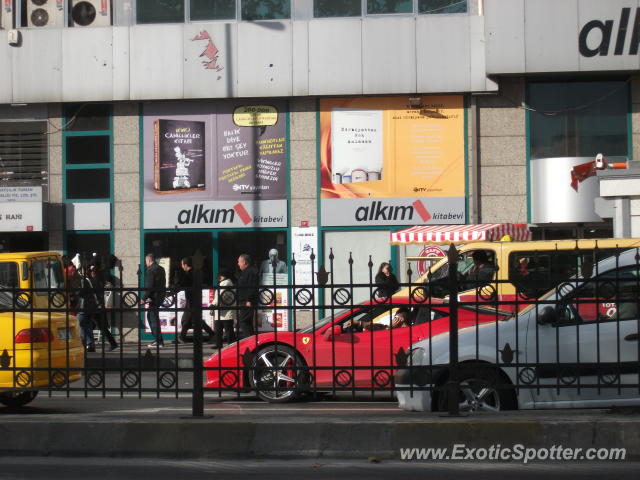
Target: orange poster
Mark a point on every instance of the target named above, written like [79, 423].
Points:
[383, 148]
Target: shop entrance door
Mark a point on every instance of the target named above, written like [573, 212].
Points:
[256, 244]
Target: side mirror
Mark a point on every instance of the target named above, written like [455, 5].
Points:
[331, 332]
[548, 316]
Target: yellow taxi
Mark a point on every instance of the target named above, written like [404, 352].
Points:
[40, 345]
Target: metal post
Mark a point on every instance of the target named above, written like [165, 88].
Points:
[196, 315]
[452, 386]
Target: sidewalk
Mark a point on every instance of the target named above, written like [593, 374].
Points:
[164, 428]
[134, 356]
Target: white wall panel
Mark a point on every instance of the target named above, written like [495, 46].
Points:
[335, 57]
[389, 55]
[88, 216]
[264, 53]
[87, 65]
[156, 62]
[610, 10]
[6, 83]
[504, 22]
[478, 60]
[551, 42]
[443, 54]
[37, 67]
[210, 64]
[121, 74]
[300, 61]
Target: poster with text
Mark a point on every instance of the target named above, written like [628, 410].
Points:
[385, 162]
[216, 164]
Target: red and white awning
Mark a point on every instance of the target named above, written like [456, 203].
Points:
[460, 233]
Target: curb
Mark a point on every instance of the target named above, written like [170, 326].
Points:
[213, 438]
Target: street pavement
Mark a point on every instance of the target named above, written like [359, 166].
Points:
[20, 468]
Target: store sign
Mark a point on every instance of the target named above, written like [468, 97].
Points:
[20, 216]
[215, 214]
[602, 36]
[394, 211]
[386, 162]
[21, 194]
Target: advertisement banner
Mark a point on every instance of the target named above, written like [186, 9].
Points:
[383, 161]
[216, 160]
[270, 314]
[304, 241]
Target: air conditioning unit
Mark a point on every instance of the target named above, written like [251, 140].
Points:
[45, 13]
[90, 13]
[6, 14]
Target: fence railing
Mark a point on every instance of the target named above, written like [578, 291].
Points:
[480, 337]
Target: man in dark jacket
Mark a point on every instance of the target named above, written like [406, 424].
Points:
[154, 292]
[187, 317]
[247, 296]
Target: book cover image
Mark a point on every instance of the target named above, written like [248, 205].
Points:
[178, 156]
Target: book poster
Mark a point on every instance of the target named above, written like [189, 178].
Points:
[178, 156]
[251, 153]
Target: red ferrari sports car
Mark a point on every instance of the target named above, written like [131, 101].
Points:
[352, 348]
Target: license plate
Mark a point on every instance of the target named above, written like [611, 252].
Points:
[64, 333]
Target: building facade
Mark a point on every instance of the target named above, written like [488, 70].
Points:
[182, 126]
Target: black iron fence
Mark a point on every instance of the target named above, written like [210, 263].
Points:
[545, 329]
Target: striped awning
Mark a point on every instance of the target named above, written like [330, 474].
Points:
[460, 233]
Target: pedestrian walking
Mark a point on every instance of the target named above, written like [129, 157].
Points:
[225, 313]
[154, 293]
[247, 296]
[188, 320]
[100, 316]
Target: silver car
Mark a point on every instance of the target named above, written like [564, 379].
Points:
[577, 346]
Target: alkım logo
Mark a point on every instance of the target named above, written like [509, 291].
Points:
[377, 211]
[198, 215]
[606, 31]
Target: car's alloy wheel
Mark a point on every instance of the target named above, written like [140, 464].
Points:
[275, 374]
[478, 393]
[17, 399]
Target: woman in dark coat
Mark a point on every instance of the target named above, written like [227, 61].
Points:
[386, 281]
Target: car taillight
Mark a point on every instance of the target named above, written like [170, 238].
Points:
[33, 335]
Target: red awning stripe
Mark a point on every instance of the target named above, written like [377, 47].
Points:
[460, 233]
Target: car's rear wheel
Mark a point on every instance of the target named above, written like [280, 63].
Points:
[479, 392]
[276, 375]
[17, 399]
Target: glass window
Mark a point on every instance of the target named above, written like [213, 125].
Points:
[578, 119]
[612, 296]
[160, 11]
[442, 6]
[266, 9]
[87, 117]
[93, 149]
[213, 9]
[337, 8]
[47, 273]
[389, 6]
[9, 275]
[24, 156]
[88, 183]
[176, 246]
